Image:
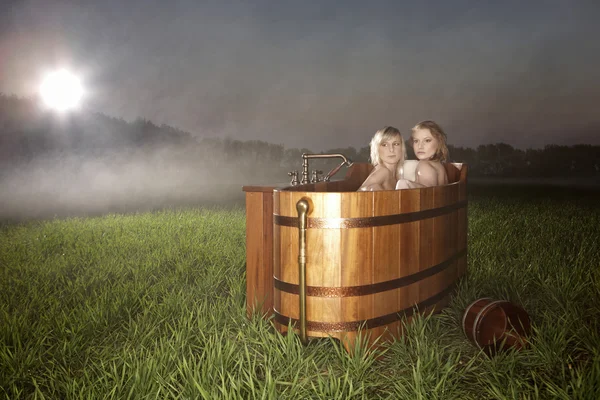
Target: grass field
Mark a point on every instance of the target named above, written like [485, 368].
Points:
[152, 306]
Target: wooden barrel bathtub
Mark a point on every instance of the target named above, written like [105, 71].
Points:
[371, 257]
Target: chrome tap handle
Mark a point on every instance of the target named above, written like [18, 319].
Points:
[315, 176]
[294, 175]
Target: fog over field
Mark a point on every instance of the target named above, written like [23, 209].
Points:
[90, 164]
[155, 178]
[124, 181]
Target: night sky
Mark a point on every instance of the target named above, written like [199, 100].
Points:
[322, 74]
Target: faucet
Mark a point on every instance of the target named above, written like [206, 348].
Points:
[306, 157]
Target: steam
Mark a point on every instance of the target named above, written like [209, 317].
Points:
[124, 181]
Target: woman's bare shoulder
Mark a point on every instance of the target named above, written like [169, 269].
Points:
[431, 173]
[425, 166]
[377, 177]
[383, 169]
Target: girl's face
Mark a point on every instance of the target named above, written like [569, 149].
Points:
[390, 150]
[424, 144]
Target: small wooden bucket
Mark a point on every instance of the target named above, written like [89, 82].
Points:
[496, 324]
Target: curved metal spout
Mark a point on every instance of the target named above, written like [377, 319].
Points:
[336, 155]
[306, 157]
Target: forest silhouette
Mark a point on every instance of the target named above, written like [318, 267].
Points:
[27, 133]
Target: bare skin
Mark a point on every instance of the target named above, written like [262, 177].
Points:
[383, 176]
[428, 172]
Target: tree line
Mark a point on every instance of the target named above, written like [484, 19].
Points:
[28, 132]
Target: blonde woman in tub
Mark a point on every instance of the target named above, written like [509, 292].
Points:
[429, 143]
[387, 156]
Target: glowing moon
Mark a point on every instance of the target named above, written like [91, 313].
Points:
[61, 90]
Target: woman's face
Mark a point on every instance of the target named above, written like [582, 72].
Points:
[425, 144]
[390, 150]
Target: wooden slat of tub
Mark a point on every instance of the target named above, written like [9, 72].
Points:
[410, 201]
[254, 259]
[462, 222]
[426, 232]
[437, 249]
[276, 251]
[357, 261]
[386, 260]
[452, 232]
[452, 171]
[259, 250]
[357, 174]
[450, 236]
[323, 264]
[265, 284]
[288, 269]
[443, 248]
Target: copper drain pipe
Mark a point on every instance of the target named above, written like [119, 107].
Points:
[302, 208]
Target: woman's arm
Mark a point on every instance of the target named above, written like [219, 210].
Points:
[406, 184]
[370, 188]
[426, 174]
[375, 180]
[408, 169]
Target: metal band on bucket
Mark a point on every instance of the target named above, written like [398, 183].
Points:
[467, 310]
[475, 329]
